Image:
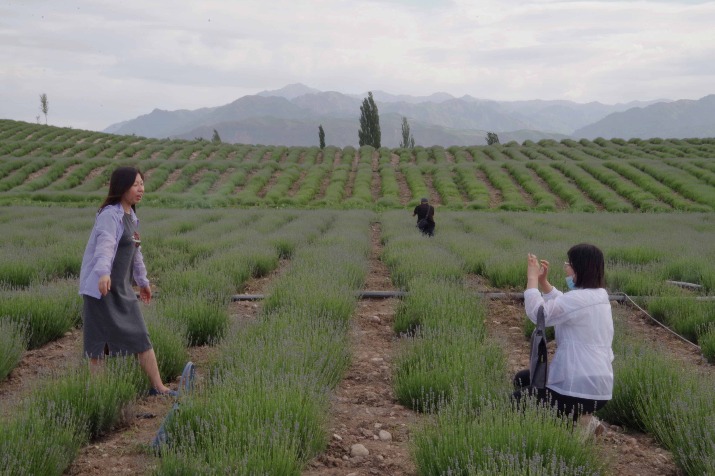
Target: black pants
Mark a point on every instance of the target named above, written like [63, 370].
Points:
[428, 229]
[565, 404]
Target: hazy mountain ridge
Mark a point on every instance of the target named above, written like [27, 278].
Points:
[291, 115]
[678, 119]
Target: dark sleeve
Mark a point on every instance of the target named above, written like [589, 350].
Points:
[416, 210]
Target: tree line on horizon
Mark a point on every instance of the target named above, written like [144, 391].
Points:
[369, 132]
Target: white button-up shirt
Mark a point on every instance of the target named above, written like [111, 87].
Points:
[582, 366]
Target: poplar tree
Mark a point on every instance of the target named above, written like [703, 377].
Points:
[321, 136]
[369, 133]
[44, 105]
[216, 139]
[408, 140]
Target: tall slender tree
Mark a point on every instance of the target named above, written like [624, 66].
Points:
[321, 136]
[408, 140]
[216, 139]
[44, 105]
[369, 133]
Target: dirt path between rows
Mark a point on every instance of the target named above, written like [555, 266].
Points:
[364, 410]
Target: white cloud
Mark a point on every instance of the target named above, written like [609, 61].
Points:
[102, 62]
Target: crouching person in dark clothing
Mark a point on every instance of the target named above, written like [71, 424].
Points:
[425, 217]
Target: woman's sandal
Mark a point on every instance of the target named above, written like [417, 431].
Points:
[169, 393]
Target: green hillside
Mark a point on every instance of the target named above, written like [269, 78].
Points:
[45, 164]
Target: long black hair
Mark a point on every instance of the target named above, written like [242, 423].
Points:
[121, 180]
[588, 264]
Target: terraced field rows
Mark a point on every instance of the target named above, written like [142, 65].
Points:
[50, 164]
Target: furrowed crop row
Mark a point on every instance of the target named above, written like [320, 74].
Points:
[561, 187]
[693, 169]
[648, 183]
[642, 199]
[680, 181]
[599, 193]
[512, 199]
[544, 200]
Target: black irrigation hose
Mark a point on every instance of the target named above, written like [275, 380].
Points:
[391, 294]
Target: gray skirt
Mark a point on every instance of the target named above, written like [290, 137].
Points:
[114, 325]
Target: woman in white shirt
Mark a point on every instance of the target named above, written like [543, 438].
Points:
[580, 376]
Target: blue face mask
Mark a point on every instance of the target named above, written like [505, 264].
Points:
[570, 283]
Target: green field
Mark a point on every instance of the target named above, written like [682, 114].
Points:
[50, 165]
[215, 216]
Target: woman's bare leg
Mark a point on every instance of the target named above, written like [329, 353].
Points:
[147, 360]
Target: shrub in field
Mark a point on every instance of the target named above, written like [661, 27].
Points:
[499, 178]
[321, 290]
[204, 315]
[292, 340]
[95, 399]
[499, 440]
[433, 303]
[13, 341]
[505, 271]
[475, 190]
[654, 393]
[37, 445]
[169, 340]
[248, 424]
[335, 190]
[445, 350]
[635, 255]
[17, 272]
[415, 180]
[696, 270]
[410, 256]
[48, 311]
[444, 182]
[437, 363]
[636, 281]
[684, 315]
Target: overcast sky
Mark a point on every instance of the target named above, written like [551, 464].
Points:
[102, 61]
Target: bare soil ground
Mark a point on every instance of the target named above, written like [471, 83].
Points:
[171, 179]
[434, 197]
[351, 176]
[376, 182]
[221, 180]
[560, 204]
[364, 404]
[36, 174]
[405, 193]
[95, 172]
[297, 184]
[271, 182]
[495, 195]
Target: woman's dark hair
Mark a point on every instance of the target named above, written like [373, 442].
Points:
[121, 180]
[587, 262]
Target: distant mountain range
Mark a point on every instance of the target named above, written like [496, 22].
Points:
[291, 115]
